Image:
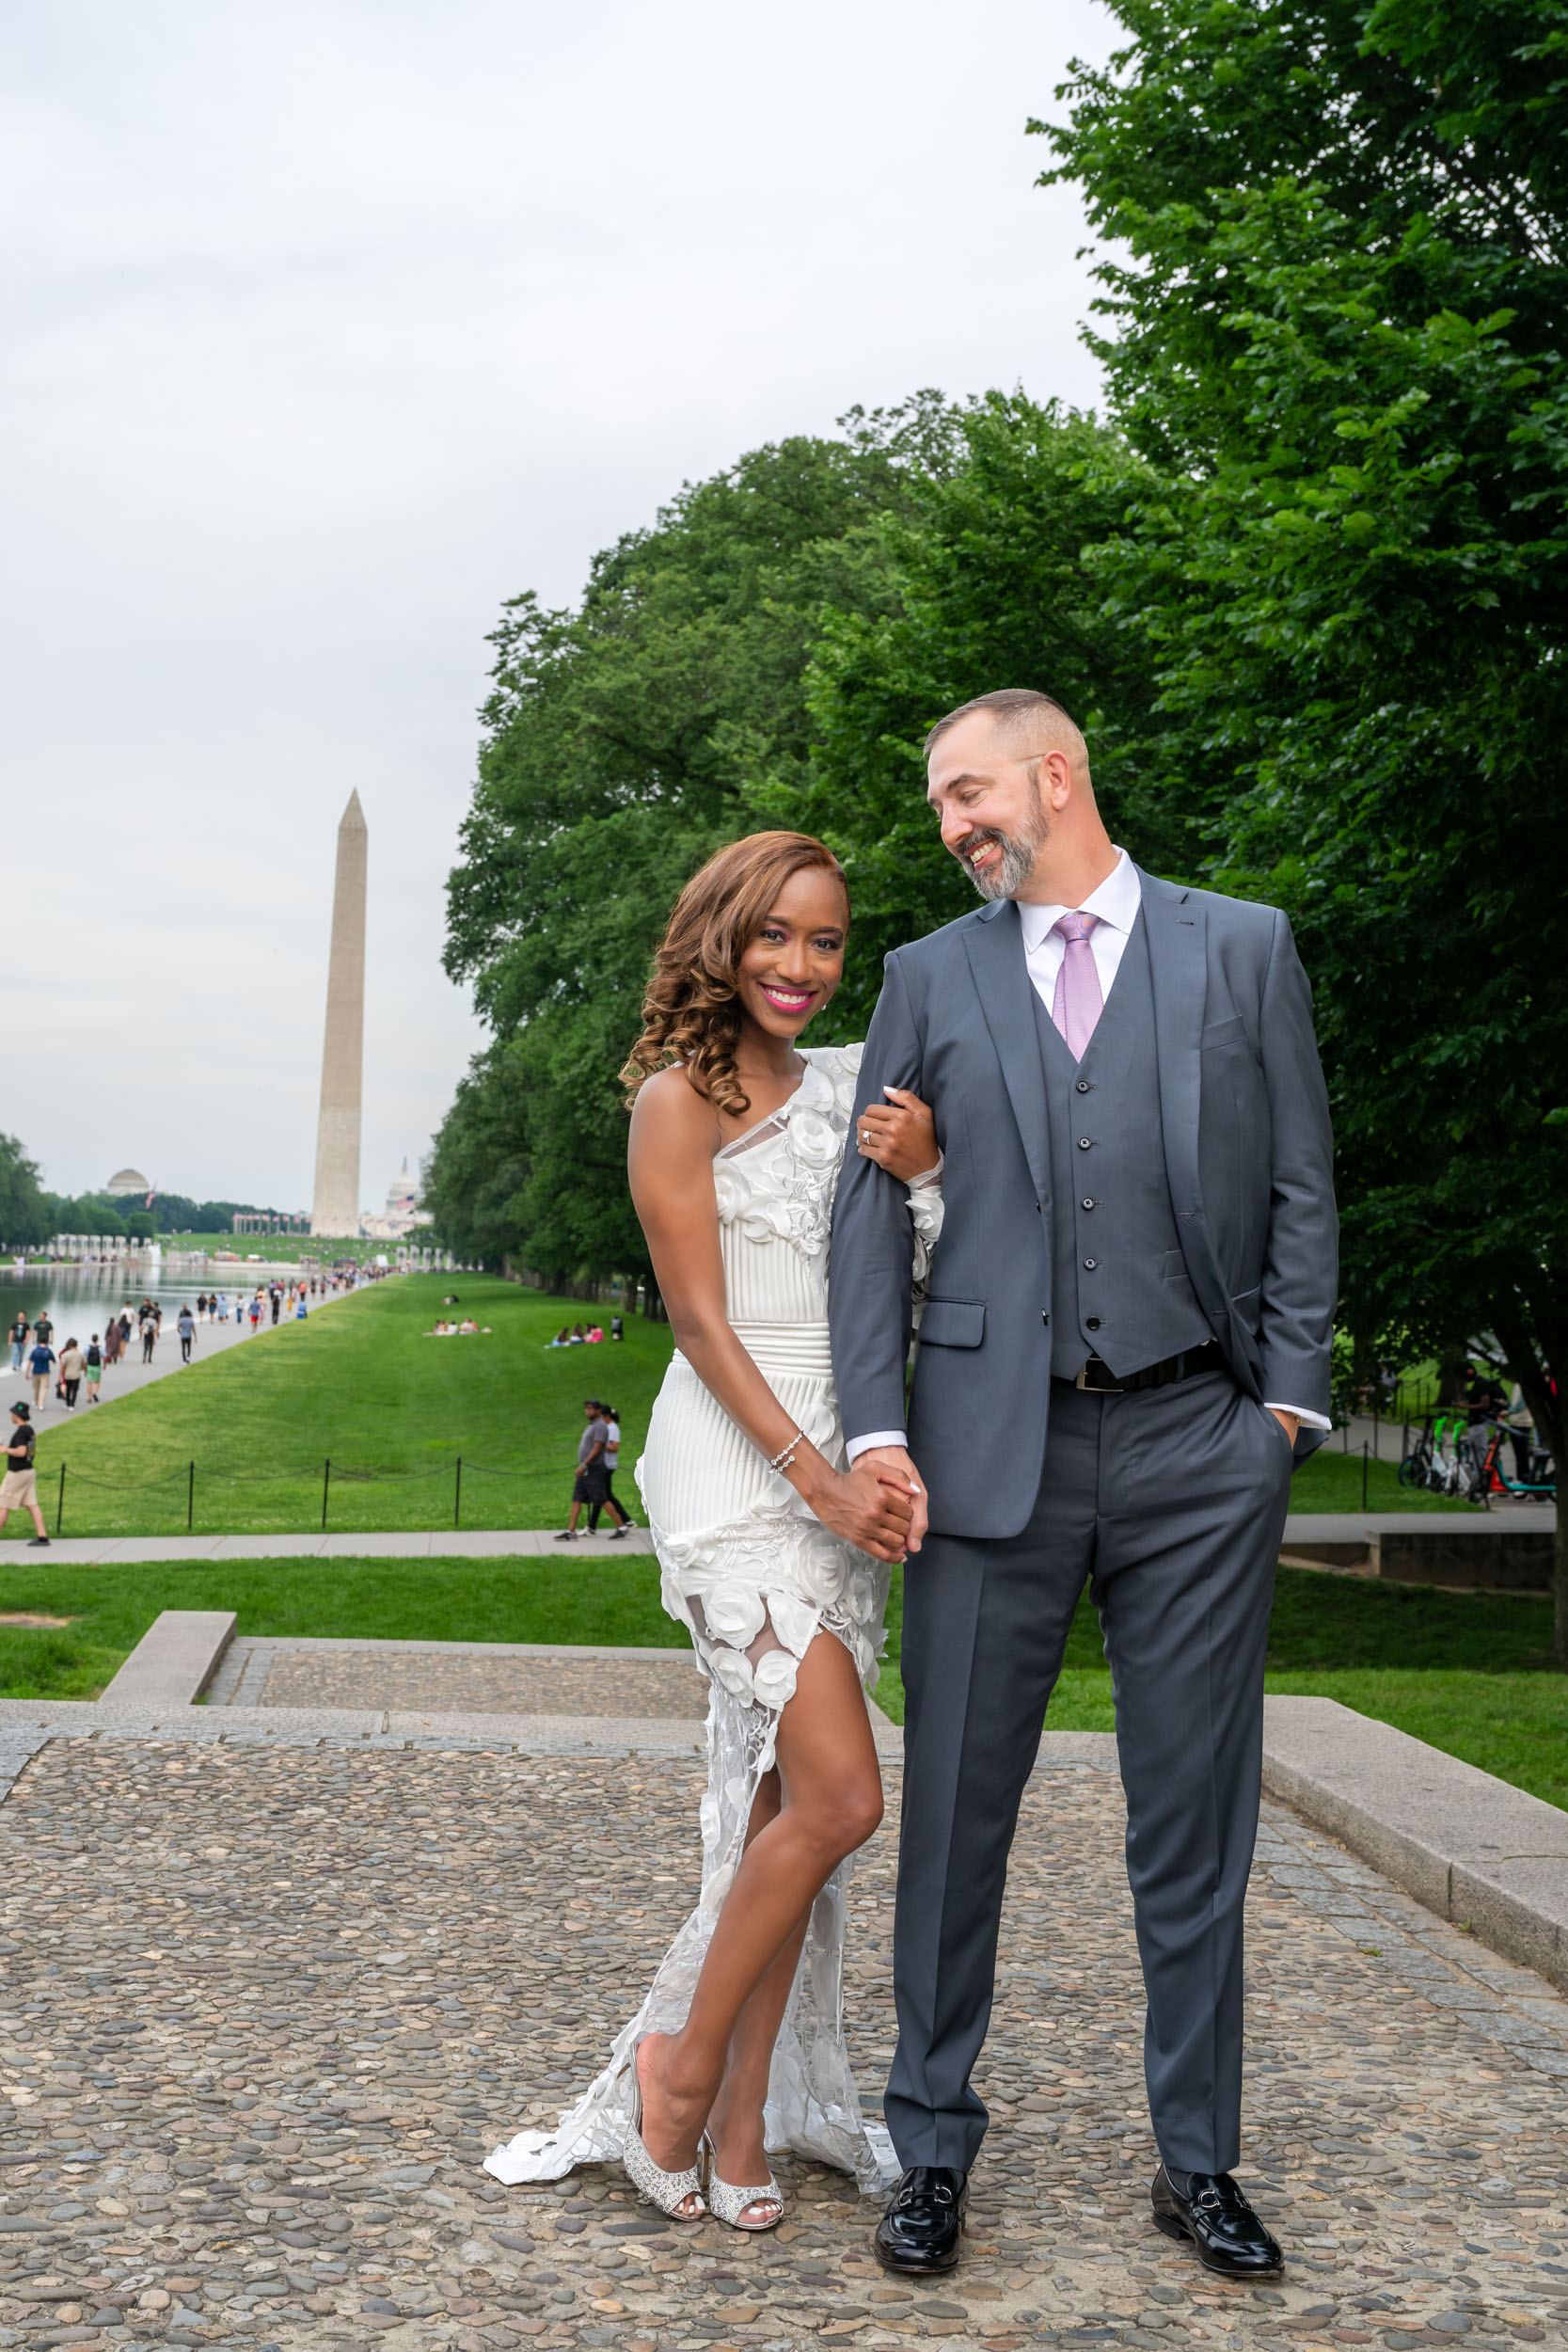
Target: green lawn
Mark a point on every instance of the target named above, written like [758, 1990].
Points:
[1465, 1671]
[358, 1384]
[579, 1597]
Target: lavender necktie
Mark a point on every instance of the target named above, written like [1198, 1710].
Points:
[1077, 1003]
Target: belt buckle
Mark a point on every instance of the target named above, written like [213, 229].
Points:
[1093, 1387]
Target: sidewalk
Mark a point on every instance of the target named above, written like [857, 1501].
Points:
[130, 1373]
[532, 1543]
[426, 1543]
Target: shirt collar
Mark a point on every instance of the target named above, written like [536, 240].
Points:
[1115, 902]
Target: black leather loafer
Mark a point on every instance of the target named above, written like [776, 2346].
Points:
[1217, 2218]
[924, 2223]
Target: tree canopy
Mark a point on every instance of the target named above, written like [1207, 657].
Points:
[1332, 327]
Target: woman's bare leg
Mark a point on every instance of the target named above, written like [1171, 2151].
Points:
[832, 1802]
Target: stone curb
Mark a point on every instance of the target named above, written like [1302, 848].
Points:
[175, 1659]
[1467, 1846]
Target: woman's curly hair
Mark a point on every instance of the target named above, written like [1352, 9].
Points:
[691, 1011]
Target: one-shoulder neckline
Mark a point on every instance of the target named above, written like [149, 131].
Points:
[745, 1136]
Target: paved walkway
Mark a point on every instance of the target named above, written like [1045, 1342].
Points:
[270, 1995]
[130, 1373]
[458, 1544]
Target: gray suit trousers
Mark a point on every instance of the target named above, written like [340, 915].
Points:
[1171, 1504]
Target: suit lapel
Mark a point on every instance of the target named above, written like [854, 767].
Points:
[996, 948]
[1176, 925]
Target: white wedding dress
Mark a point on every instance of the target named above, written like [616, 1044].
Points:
[756, 1579]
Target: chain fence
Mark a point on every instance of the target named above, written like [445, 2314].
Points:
[183, 1483]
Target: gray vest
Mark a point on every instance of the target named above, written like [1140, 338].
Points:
[1120, 1287]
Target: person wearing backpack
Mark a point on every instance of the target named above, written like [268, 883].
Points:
[19, 1487]
[95, 1370]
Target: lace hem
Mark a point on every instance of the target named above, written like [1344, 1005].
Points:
[812, 2105]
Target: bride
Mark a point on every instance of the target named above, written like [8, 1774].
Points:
[765, 1544]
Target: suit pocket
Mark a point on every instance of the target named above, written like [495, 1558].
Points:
[1231, 1032]
[953, 1323]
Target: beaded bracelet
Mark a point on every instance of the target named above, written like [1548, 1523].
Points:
[785, 1458]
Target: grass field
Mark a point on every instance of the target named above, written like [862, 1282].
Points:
[393, 1412]
[359, 1386]
[1467, 1671]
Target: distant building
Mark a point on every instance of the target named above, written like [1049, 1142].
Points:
[128, 1181]
[402, 1212]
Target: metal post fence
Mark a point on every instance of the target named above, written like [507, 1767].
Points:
[190, 1501]
[457, 1496]
[59, 1507]
[327, 1482]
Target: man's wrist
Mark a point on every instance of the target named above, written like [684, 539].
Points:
[855, 1447]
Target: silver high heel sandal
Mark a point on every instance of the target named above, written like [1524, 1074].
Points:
[727, 2203]
[669, 2191]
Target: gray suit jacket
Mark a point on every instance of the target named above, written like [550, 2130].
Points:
[1248, 1156]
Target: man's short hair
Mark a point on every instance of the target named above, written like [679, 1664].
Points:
[1010, 706]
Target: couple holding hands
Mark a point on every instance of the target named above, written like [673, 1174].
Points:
[1091, 1164]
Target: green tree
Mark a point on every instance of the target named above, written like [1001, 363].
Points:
[24, 1211]
[984, 584]
[624, 741]
[1333, 304]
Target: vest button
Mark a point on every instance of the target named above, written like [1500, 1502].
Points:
[1083, 1086]
[1084, 1143]
[1090, 1265]
[1087, 1203]
[1091, 1323]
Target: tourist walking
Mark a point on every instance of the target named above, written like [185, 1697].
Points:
[125, 1327]
[766, 1543]
[148, 1337]
[111, 1341]
[94, 1370]
[19, 1487]
[255, 1314]
[73, 1365]
[40, 1363]
[588, 1486]
[19, 1330]
[43, 1329]
[610, 1462]
[185, 1326]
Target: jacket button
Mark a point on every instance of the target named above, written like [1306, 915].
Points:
[1083, 1144]
[1083, 1086]
[1091, 1323]
[1087, 1203]
[1090, 1265]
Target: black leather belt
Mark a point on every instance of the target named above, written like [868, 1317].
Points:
[1098, 1379]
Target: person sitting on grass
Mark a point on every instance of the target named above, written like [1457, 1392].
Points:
[19, 1487]
[467, 1325]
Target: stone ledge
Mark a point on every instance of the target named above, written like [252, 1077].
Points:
[175, 1659]
[1469, 1847]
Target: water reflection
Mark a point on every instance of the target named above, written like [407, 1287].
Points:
[80, 1299]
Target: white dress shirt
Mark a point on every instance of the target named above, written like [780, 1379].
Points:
[1116, 903]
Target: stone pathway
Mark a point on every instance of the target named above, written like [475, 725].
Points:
[268, 1998]
[460, 1677]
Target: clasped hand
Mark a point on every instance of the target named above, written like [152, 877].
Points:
[872, 1508]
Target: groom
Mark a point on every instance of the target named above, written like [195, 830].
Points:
[1126, 1342]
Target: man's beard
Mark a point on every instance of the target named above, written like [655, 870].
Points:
[1006, 878]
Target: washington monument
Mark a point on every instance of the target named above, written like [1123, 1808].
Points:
[336, 1208]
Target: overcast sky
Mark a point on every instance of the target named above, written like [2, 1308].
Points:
[327, 328]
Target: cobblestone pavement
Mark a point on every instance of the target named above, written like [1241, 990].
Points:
[265, 2005]
[453, 1678]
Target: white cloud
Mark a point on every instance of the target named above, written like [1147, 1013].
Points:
[329, 326]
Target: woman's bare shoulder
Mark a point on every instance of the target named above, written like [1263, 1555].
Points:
[671, 1115]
